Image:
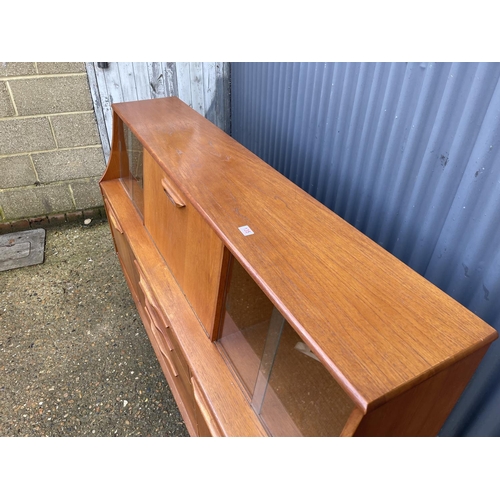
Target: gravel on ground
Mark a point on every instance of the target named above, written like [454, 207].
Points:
[75, 359]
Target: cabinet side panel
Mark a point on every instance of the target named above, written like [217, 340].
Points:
[422, 410]
[115, 157]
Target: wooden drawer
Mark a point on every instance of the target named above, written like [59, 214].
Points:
[167, 344]
[162, 324]
[182, 391]
[124, 252]
[207, 425]
[165, 335]
[190, 247]
[177, 368]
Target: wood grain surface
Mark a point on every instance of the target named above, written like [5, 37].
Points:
[190, 247]
[422, 410]
[379, 327]
[226, 405]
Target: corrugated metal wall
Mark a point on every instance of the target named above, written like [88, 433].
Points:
[409, 155]
[202, 85]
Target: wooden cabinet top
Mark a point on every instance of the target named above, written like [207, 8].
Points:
[377, 325]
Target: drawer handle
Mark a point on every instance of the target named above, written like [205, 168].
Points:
[171, 364]
[145, 289]
[154, 322]
[151, 304]
[156, 333]
[112, 218]
[207, 416]
[154, 305]
[172, 193]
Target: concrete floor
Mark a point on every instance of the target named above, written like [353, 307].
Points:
[75, 359]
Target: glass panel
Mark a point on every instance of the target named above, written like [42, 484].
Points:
[266, 363]
[245, 326]
[288, 387]
[131, 169]
[302, 397]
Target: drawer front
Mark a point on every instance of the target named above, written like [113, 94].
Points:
[165, 337]
[190, 247]
[124, 252]
[167, 344]
[177, 369]
[207, 426]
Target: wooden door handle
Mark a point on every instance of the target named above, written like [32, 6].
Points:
[172, 193]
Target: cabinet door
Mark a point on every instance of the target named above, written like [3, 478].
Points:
[190, 247]
[286, 383]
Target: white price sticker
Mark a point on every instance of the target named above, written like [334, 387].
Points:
[245, 230]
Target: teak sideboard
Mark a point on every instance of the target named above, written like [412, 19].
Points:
[269, 314]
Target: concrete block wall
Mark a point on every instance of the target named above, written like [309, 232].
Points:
[51, 156]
